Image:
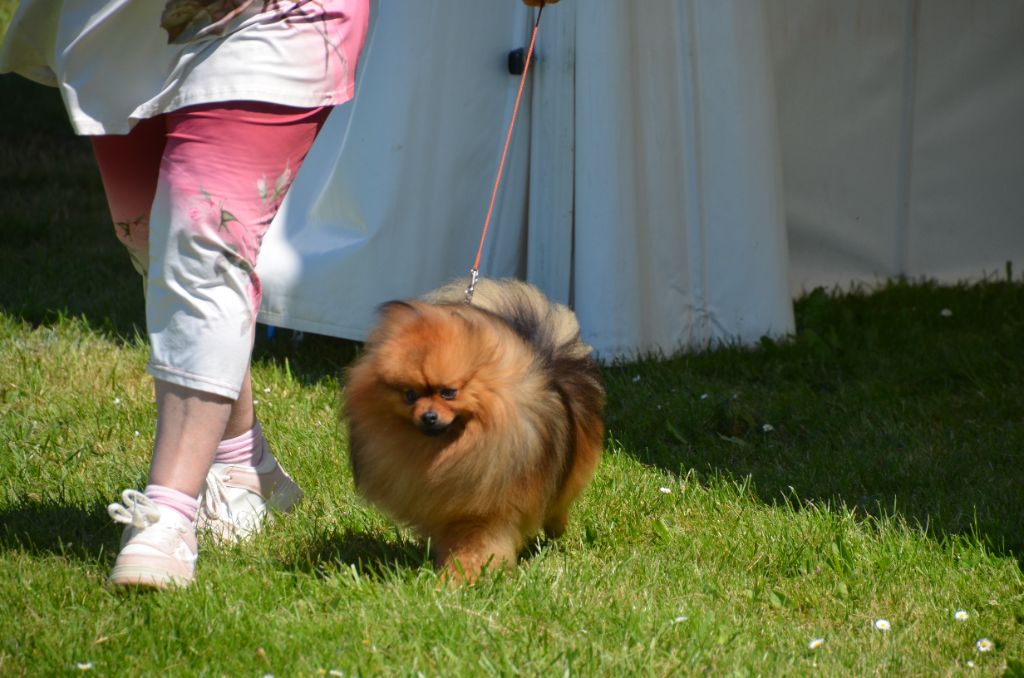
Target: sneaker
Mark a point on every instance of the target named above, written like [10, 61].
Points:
[238, 500]
[158, 546]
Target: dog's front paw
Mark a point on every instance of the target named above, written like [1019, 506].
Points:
[464, 554]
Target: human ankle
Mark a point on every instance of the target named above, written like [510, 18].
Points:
[185, 505]
[243, 450]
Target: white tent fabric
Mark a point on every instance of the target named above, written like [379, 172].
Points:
[645, 183]
[643, 186]
[902, 129]
[680, 238]
[392, 197]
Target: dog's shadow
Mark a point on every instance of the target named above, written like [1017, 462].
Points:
[377, 556]
[82, 533]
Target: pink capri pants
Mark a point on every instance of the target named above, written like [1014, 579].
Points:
[192, 193]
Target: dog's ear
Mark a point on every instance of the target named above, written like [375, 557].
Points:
[396, 308]
[392, 317]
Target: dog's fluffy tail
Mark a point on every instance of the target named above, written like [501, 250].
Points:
[551, 327]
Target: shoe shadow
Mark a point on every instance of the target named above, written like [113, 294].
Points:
[84, 533]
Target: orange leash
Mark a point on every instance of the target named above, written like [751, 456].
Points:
[474, 273]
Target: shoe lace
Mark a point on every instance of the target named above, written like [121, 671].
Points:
[138, 510]
[214, 502]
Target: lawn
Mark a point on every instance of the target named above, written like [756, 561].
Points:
[7, 8]
[757, 512]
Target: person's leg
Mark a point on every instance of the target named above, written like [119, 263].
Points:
[158, 542]
[243, 411]
[129, 165]
[225, 171]
[190, 426]
[129, 168]
[223, 174]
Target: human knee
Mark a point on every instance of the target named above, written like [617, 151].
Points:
[133, 233]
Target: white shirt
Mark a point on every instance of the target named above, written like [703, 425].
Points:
[116, 64]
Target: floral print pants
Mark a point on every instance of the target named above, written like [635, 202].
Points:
[192, 193]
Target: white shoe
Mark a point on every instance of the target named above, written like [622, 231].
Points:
[158, 546]
[238, 499]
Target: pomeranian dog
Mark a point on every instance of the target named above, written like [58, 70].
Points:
[476, 424]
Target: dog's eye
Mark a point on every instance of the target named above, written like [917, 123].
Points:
[449, 393]
[409, 396]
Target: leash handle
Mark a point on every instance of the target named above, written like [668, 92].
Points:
[474, 273]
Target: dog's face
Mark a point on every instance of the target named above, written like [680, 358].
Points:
[429, 367]
[431, 409]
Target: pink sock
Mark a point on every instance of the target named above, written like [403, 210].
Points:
[173, 499]
[245, 450]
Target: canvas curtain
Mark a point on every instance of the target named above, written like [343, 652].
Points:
[643, 184]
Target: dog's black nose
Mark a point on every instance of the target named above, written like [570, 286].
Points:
[429, 418]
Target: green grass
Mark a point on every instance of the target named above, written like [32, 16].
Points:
[7, 8]
[886, 485]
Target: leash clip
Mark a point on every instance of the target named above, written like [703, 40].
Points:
[474, 276]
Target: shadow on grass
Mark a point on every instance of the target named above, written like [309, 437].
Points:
[59, 253]
[377, 558]
[84, 533]
[371, 555]
[902, 402]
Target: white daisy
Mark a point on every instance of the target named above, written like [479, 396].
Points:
[815, 643]
[961, 615]
[985, 645]
[84, 666]
[665, 490]
[680, 619]
[117, 401]
[946, 313]
[882, 625]
[767, 428]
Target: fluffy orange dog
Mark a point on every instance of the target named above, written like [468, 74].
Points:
[475, 424]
